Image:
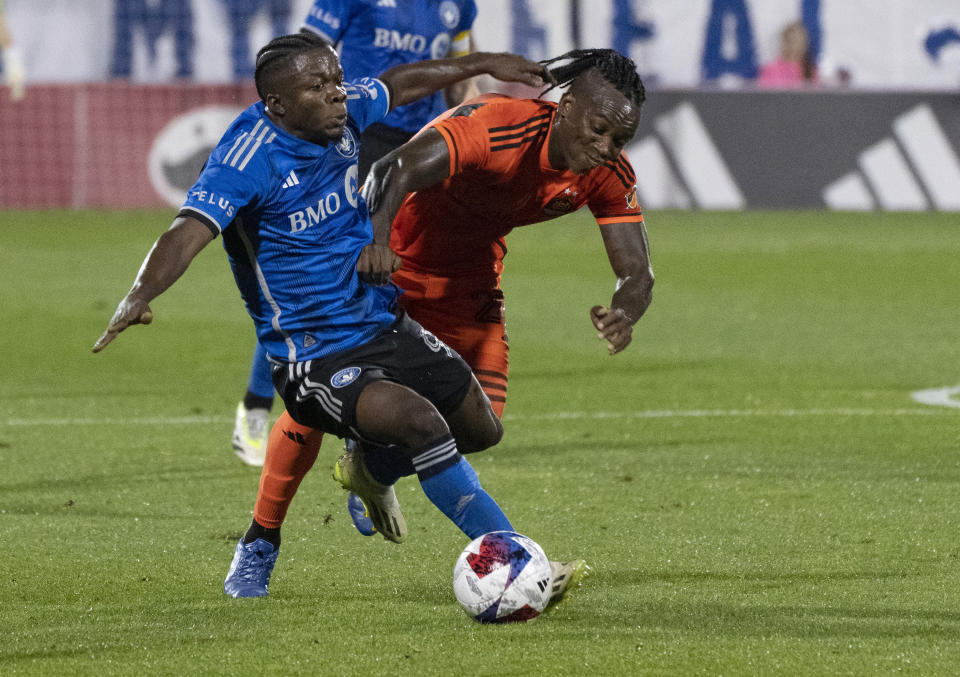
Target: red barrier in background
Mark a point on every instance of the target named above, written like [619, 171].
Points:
[88, 145]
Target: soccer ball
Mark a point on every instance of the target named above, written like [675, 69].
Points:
[502, 577]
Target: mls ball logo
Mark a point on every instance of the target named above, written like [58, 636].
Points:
[345, 377]
[449, 14]
[348, 145]
[181, 148]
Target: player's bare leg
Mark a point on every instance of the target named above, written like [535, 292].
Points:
[395, 415]
[474, 424]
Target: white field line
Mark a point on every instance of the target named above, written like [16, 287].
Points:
[938, 397]
[721, 413]
[841, 412]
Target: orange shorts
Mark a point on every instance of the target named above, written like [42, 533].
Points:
[467, 315]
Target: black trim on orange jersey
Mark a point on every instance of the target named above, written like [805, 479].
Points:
[613, 167]
[492, 386]
[488, 372]
[456, 152]
[522, 132]
[500, 242]
[508, 128]
[496, 398]
[625, 166]
[508, 146]
[528, 130]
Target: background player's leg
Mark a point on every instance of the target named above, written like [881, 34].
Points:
[474, 424]
[491, 367]
[250, 428]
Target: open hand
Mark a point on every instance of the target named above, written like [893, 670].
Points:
[515, 68]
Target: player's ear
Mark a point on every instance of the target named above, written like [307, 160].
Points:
[274, 105]
[565, 104]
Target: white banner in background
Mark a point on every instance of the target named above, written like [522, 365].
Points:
[677, 43]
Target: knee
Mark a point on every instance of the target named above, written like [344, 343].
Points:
[390, 413]
[416, 422]
[422, 424]
[482, 436]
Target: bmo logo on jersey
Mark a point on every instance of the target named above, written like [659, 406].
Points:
[412, 43]
[400, 42]
[326, 206]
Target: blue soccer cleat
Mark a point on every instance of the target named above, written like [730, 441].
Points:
[360, 515]
[250, 570]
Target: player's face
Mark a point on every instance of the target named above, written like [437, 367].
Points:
[312, 99]
[596, 123]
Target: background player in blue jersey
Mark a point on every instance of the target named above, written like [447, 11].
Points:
[281, 186]
[371, 36]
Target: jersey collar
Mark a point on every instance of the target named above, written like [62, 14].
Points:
[545, 150]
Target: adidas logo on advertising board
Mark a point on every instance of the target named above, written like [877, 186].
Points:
[911, 170]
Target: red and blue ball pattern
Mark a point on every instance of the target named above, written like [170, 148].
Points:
[502, 577]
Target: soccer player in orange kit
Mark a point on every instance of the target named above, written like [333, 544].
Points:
[496, 163]
[456, 189]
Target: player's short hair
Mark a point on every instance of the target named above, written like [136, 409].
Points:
[279, 53]
[618, 70]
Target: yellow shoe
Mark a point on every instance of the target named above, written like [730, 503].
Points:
[250, 432]
[566, 577]
[380, 500]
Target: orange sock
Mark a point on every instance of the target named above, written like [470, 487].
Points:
[291, 451]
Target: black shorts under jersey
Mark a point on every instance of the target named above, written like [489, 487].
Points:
[322, 393]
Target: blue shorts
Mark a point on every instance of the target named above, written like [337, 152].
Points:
[322, 393]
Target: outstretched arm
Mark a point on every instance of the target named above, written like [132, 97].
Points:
[421, 162]
[167, 260]
[413, 81]
[629, 256]
[459, 92]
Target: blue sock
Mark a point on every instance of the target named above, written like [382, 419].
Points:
[452, 485]
[261, 382]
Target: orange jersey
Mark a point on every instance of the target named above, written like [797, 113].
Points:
[500, 178]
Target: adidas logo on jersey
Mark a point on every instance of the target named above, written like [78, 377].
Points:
[387, 3]
[292, 180]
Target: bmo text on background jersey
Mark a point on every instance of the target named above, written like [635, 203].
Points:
[374, 35]
[293, 225]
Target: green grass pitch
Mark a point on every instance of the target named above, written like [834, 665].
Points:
[751, 481]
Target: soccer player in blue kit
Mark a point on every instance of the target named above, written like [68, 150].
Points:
[372, 36]
[281, 187]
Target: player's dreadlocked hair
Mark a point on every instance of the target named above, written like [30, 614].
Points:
[277, 54]
[615, 68]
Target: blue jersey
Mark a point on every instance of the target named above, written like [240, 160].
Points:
[374, 35]
[293, 226]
